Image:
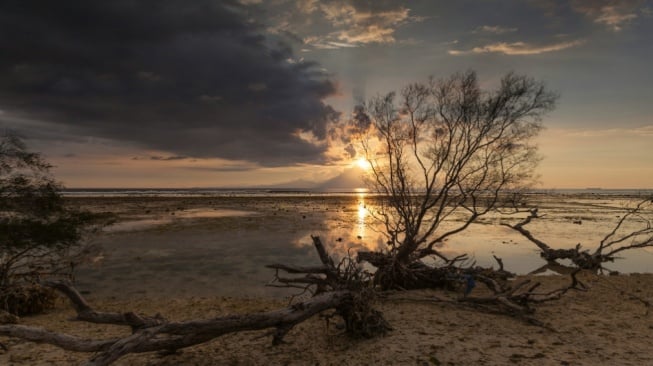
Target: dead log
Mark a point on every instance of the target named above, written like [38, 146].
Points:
[86, 313]
[449, 274]
[177, 335]
[361, 319]
[518, 301]
[342, 288]
[608, 247]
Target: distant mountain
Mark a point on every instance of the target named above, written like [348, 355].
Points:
[351, 178]
[293, 184]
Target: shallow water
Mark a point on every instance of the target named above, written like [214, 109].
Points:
[208, 246]
[138, 224]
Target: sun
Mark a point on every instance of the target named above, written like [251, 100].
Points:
[362, 163]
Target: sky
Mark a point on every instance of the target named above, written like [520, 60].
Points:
[227, 93]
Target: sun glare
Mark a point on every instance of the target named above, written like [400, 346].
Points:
[363, 163]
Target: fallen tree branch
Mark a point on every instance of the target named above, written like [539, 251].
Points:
[614, 242]
[342, 288]
[172, 335]
[65, 341]
[515, 301]
[86, 313]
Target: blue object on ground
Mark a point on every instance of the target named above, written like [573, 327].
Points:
[470, 284]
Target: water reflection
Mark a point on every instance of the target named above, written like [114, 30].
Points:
[349, 229]
[146, 222]
[209, 253]
[353, 228]
[362, 214]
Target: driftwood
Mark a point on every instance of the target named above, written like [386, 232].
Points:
[614, 242]
[392, 274]
[155, 333]
[518, 300]
[505, 297]
[170, 336]
[361, 319]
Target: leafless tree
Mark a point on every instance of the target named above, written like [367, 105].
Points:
[446, 149]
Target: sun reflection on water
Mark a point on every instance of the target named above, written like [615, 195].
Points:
[362, 214]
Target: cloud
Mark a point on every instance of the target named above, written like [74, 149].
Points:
[161, 158]
[518, 48]
[335, 24]
[307, 6]
[364, 22]
[222, 168]
[322, 44]
[613, 19]
[612, 14]
[194, 79]
[495, 29]
[643, 131]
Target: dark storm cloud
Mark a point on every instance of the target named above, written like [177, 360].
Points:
[194, 78]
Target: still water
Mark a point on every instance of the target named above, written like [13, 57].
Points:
[219, 245]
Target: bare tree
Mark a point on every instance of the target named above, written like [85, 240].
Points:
[446, 149]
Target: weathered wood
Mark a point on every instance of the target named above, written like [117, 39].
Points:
[359, 316]
[341, 288]
[185, 334]
[67, 342]
[527, 234]
[86, 313]
[175, 335]
[607, 248]
[326, 260]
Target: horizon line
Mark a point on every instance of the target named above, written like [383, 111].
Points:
[273, 187]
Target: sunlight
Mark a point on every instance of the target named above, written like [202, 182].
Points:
[363, 164]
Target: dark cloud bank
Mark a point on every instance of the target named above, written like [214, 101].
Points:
[195, 78]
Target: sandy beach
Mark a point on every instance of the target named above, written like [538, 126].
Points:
[603, 326]
[201, 257]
